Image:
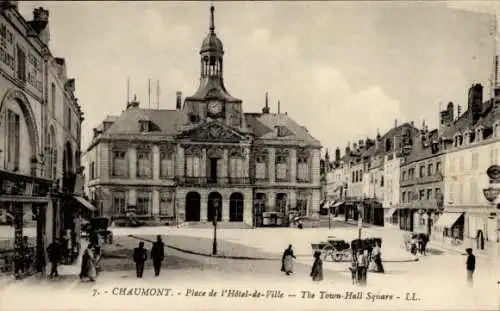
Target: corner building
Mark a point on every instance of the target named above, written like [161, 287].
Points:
[207, 155]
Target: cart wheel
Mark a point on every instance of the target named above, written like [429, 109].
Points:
[337, 257]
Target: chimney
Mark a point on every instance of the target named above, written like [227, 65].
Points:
[279, 107]
[354, 146]
[459, 111]
[266, 109]
[395, 123]
[133, 104]
[39, 24]
[475, 103]
[69, 86]
[337, 154]
[178, 100]
[347, 149]
[412, 124]
[361, 144]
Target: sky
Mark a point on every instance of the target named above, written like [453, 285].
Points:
[342, 69]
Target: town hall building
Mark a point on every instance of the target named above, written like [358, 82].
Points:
[206, 158]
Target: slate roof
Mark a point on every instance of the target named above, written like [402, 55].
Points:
[464, 122]
[212, 87]
[168, 123]
[419, 152]
[263, 127]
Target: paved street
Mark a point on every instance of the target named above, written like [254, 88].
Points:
[441, 270]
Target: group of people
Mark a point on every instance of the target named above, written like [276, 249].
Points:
[140, 257]
[287, 264]
[418, 244]
[362, 262]
[365, 261]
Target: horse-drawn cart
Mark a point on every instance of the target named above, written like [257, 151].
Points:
[334, 249]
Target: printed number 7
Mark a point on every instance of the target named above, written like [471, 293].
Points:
[95, 292]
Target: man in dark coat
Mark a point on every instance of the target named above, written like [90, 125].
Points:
[140, 257]
[158, 254]
[471, 266]
[54, 252]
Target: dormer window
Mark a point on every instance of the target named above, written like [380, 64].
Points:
[281, 131]
[479, 133]
[144, 126]
[496, 129]
[458, 140]
[194, 118]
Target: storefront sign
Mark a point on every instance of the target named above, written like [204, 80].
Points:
[491, 194]
[493, 173]
[14, 184]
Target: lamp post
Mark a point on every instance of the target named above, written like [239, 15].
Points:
[216, 214]
[360, 220]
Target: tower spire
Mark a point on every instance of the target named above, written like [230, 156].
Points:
[212, 19]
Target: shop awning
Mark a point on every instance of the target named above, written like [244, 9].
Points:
[85, 203]
[389, 212]
[336, 204]
[447, 220]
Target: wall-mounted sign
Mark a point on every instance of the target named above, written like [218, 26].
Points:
[493, 173]
[491, 194]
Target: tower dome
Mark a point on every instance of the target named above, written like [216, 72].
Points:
[212, 43]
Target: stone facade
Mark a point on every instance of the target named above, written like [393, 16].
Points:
[33, 131]
[207, 156]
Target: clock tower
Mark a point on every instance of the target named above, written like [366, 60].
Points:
[212, 101]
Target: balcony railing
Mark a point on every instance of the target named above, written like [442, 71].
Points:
[202, 181]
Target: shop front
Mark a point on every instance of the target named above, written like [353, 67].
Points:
[449, 227]
[24, 203]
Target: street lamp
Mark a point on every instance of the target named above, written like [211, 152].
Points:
[216, 213]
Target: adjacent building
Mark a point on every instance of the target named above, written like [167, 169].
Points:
[472, 144]
[421, 181]
[205, 159]
[31, 160]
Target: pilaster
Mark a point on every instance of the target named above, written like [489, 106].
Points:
[293, 165]
[105, 161]
[271, 201]
[179, 162]
[132, 197]
[225, 208]
[132, 160]
[204, 163]
[246, 172]
[272, 165]
[315, 201]
[156, 162]
[156, 203]
[315, 169]
[225, 164]
[203, 204]
[292, 200]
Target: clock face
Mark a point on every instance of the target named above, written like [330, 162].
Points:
[215, 107]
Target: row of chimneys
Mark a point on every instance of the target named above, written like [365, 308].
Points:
[267, 109]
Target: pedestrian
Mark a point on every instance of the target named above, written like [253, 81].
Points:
[54, 252]
[354, 270]
[363, 262]
[65, 248]
[413, 244]
[140, 257]
[158, 254]
[317, 268]
[377, 258]
[471, 266]
[88, 268]
[287, 260]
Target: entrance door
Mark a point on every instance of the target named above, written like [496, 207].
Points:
[193, 206]
[213, 171]
[236, 207]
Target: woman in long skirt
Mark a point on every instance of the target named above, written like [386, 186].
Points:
[287, 260]
[88, 265]
[317, 268]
